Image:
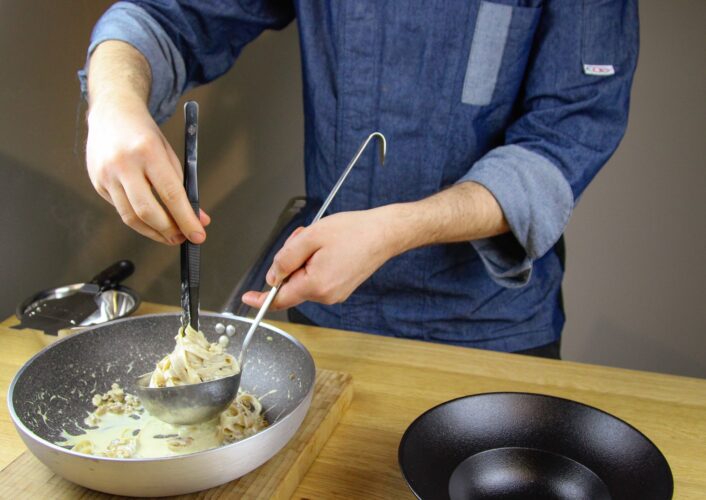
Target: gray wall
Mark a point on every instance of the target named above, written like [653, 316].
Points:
[634, 245]
[637, 240]
[57, 230]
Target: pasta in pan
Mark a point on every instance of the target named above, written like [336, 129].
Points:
[120, 427]
[193, 360]
[241, 419]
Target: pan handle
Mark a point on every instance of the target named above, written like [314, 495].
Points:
[113, 275]
[254, 278]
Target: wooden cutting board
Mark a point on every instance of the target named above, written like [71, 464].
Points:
[27, 477]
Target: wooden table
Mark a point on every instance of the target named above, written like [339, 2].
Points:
[395, 380]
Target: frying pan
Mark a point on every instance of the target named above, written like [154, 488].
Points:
[53, 390]
[519, 445]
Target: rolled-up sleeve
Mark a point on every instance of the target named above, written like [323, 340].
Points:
[572, 116]
[185, 43]
[132, 24]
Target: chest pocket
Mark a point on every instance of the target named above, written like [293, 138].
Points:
[601, 36]
[500, 46]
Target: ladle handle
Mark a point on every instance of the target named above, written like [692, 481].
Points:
[382, 152]
[256, 322]
[190, 252]
[273, 291]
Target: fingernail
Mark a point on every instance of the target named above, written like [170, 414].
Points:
[270, 277]
[196, 237]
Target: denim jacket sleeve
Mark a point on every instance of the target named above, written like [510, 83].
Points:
[573, 114]
[186, 43]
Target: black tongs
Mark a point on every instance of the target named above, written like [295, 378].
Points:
[190, 253]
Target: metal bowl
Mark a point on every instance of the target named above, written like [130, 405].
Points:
[116, 303]
[53, 390]
[521, 445]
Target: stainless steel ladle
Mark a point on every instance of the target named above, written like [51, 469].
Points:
[194, 403]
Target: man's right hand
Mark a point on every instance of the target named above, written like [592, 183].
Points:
[130, 162]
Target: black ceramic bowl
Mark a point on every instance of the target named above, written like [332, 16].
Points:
[521, 446]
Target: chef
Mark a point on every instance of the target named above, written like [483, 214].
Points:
[498, 114]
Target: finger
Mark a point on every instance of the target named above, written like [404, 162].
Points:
[122, 205]
[254, 299]
[204, 218]
[292, 256]
[294, 233]
[296, 290]
[271, 276]
[99, 186]
[291, 293]
[173, 159]
[103, 193]
[173, 195]
[148, 209]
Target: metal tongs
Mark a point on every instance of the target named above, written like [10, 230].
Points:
[190, 252]
[194, 403]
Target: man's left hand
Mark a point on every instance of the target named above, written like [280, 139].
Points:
[328, 260]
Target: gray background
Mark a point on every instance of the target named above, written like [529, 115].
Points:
[636, 242]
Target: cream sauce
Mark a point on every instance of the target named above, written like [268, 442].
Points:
[120, 427]
[143, 436]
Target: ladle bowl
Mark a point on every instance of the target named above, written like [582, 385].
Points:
[188, 404]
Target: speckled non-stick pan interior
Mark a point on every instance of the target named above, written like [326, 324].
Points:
[54, 390]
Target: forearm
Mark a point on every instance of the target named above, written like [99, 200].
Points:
[463, 212]
[326, 261]
[118, 72]
[129, 161]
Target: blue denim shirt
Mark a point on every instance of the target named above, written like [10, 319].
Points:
[526, 97]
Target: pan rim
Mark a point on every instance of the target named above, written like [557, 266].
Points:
[40, 440]
[409, 429]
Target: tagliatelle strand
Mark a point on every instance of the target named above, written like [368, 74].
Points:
[192, 361]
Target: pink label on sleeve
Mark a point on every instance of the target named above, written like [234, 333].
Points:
[599, 69]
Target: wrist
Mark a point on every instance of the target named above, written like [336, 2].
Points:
[107, 104]
[400, 228]
[119, 77]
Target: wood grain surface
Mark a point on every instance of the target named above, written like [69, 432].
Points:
[395, 380]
